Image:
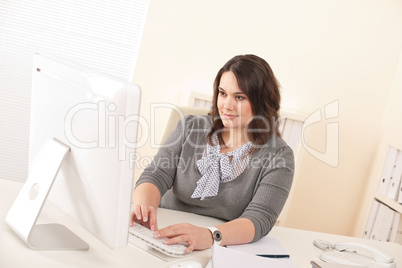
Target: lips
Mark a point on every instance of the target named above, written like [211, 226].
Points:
[229, 116]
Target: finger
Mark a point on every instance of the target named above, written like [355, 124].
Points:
[176, 240]
[173, 231]
[133, 215]
[165, 232]
[144, 211]
[190, 249]
[182, 238]
[132, 218]
[137, 211]
[153, 219]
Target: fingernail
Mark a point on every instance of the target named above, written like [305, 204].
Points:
[138, 217]
[152, 227]
[145, 219]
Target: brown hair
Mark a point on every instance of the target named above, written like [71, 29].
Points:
[256, 79]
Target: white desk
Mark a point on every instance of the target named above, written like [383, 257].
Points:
[14, 253]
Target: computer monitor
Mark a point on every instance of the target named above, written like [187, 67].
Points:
[83, 134]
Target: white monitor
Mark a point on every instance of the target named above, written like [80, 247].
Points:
[83, 132]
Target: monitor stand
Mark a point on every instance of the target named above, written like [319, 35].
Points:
[25, 210]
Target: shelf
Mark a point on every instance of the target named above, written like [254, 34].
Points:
[389, 202]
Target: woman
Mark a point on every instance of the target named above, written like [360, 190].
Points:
[231, 164]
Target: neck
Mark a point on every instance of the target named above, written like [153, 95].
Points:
[233, 138]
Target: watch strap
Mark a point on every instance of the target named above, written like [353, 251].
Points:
[216, 235]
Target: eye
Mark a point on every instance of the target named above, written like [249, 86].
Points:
[240, 98]
[222, 93]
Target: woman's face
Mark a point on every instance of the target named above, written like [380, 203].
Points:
[233, 105]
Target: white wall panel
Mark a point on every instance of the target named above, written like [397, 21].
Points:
[104, 35]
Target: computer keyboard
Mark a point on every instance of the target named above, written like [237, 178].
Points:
[146, 235]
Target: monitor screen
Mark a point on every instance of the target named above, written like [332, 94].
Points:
[96, 115]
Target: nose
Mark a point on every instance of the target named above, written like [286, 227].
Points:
[229, 103]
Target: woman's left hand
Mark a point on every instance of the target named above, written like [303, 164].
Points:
[198, 238]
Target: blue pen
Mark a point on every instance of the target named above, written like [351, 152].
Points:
[273, 256]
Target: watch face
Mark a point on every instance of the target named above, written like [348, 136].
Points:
[217, 236]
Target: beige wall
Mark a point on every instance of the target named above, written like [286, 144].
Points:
[390, 134]
[320, 51]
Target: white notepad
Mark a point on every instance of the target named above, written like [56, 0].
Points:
[264, 246]
[223, 257]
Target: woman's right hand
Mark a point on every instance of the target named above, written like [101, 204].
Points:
[145, 215]
[146, 200]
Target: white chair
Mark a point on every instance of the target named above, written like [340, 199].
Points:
[174, 118]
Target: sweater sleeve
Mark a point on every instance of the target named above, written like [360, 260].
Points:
[271, 192]
[162, 170]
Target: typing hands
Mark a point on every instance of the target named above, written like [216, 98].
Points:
[197, 238]
[145, 215]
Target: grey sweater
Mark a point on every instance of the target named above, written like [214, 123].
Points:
[258, 194]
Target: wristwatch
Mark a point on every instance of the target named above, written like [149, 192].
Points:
[216, 235]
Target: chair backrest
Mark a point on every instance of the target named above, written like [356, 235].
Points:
[175, 117]
[290, 124]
